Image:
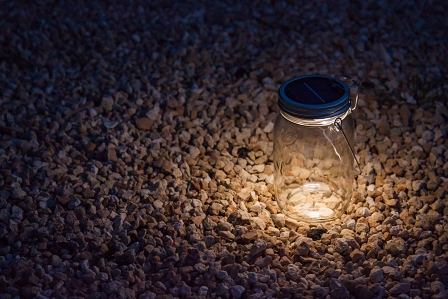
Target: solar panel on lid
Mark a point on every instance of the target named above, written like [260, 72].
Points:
[314, 91]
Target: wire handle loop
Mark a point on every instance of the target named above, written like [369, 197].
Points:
[338, 124]
[352, 83]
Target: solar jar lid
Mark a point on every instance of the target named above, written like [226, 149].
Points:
[314, 97]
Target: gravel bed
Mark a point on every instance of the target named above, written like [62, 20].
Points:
[136, 141]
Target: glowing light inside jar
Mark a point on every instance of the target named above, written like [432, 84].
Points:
[312, 186]
[314, 214]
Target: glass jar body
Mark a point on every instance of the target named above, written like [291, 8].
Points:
[313, 163]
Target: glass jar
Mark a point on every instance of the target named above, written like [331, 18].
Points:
[313, 156]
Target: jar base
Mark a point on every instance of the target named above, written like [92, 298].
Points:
[312, 202]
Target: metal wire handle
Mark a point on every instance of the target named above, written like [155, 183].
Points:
[338, 124]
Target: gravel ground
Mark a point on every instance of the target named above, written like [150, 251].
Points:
[136, 141]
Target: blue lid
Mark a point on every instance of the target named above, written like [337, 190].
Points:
[314, 97]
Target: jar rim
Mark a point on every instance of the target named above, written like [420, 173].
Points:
[314, 122]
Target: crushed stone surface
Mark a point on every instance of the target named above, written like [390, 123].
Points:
[136, 142]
